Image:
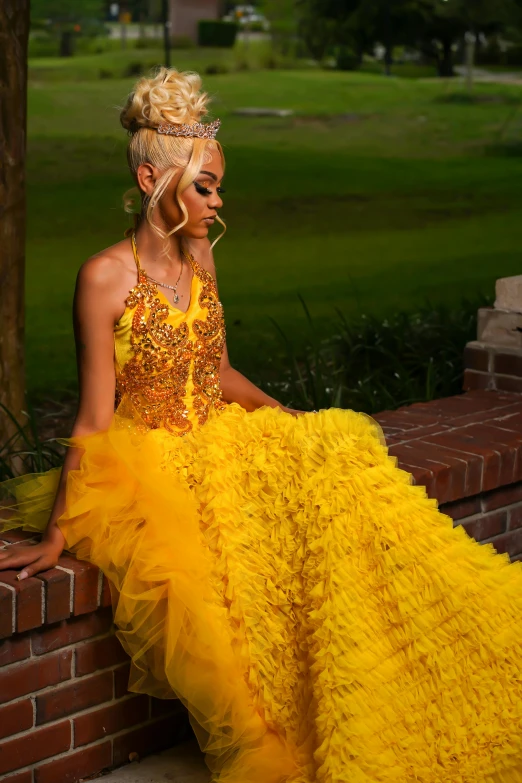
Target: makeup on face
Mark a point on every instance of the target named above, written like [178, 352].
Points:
[202, 187]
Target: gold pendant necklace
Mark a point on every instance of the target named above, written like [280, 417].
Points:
[174, 288]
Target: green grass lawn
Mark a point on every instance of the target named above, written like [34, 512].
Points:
[375, 195]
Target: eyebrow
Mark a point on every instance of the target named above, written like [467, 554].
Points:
[209, 174]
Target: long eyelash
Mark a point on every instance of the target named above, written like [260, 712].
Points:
[202, 190]
[221, 190]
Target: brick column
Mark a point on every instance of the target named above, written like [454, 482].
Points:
[494, 360]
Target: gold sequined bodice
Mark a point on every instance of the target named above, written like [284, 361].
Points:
[167, 361]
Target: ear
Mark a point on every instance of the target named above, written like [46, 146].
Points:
[147, 175]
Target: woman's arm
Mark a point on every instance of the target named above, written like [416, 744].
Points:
[234, 386]
[95, 312]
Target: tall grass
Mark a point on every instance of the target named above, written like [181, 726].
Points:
[371, 364]
[25, 451]
[367, 364]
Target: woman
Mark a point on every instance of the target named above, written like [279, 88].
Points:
[318, 616]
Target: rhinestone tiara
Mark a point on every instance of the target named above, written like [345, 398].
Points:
[199, 130]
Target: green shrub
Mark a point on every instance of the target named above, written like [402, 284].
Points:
[373, 364]
[148, 43]
[475, 98]
[176, 42]
[43, 46]
[257, 27]
[25, 451]
[346, 60]
[212, 32]
[105, 73]
[491, 54]
[513, 56]
[134, 69]
[242, 63]
[213, 69]
[182, 42]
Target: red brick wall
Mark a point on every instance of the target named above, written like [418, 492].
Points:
[65, 712]
[492, 518]
[467, 452]
[64, 709]
[492, 367]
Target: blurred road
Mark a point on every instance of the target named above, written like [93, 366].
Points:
[483, 75]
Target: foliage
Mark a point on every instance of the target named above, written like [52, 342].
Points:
[213, 32]
[373, 186]
[65, 20]
[65, 11]
[446, 22]
[372, 364]
[347, 59]
[25, 451]
[369, 364]
[283, 24]
[435, 26]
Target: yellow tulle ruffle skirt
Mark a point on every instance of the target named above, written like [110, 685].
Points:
[318, 616]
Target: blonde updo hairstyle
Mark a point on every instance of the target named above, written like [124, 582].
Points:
[170, 96]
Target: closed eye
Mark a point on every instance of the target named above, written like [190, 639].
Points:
[201, 189]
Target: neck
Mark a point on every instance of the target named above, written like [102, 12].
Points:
[152, 248]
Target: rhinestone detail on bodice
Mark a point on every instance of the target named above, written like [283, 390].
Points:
[166, 356]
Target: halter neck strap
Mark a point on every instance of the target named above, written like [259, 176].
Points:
[135, 253]
[188, 256]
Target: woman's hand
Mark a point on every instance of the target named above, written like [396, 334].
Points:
[32, 558]
[292, 411]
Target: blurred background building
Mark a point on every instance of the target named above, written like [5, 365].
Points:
[186, 14]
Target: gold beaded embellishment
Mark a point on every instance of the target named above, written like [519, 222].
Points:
[208, 349]
[155, 378]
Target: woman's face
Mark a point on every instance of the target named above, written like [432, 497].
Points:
[202, 199]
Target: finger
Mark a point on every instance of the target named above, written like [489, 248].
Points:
[7, 546]
[5, 549]
[42, 564]
[8, 549]
[17, 559]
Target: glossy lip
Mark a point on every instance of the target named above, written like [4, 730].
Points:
[209, 219]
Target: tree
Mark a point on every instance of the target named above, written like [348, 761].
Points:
[448, 21]
[359, 24]
[325, 22]
[14, 34]
[434, 26]
[283, 23]
[64, 16]
[389, 22]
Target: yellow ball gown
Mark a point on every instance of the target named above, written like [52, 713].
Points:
[317, 615]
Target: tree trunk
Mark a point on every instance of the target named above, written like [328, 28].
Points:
[165, 15]
[470, 41]
[445, 63]
[14, 32]
[66, 43]
[388, 39]
[388, 59]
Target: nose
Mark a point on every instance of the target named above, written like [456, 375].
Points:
[215, 201]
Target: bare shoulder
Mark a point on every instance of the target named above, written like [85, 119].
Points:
[104, 282]
[110, 269]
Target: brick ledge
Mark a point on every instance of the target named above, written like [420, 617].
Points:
[459, 448]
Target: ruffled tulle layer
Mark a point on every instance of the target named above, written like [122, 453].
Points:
[319, 617]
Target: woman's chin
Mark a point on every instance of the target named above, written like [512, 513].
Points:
[197, 232]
